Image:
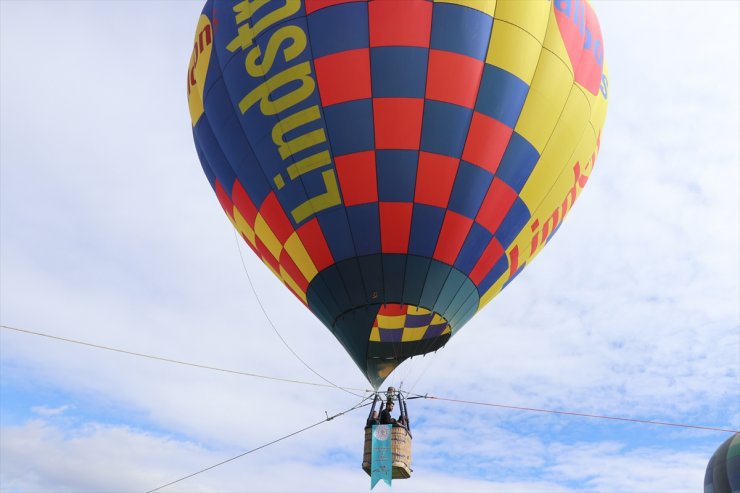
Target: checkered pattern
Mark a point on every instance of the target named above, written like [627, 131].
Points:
[447, 122]
[419, 113]
[406, 323]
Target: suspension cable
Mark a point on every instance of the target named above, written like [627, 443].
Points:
[328, 418]
[178, 362]
[274, 328]
[570, 413]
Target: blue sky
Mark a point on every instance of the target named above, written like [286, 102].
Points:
[110, 234]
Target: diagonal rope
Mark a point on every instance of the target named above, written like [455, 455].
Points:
[264, 312]
[328, 418]
[570, 413]
[178, 362]
[371, 392]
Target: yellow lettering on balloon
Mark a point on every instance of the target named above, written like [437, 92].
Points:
[298, 73]
[302, 142]
[247, 33]
[327, 199]
[257, 67]
[309, 164]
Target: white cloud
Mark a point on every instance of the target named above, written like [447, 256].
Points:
[38, 456]
[45, 411]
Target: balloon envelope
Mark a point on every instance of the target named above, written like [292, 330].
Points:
[723, 470]
[397, 163]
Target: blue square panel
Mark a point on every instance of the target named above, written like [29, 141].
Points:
[501, 95]
[518, 162]
[426, 223]
[513, 223]
[398, 71]
[461, 30]
[496, 271]
[396, 171]
[338, 28]
[364, 221]
[350, 126]
[469, 190]
[476, 242]
[338, 235]
[444, 128]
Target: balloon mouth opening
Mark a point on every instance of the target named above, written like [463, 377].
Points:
[401, 331]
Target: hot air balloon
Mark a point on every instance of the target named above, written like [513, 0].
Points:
[397, 163]
[723, 470]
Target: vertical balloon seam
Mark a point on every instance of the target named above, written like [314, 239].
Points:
[346, 217]
[428, 49]
[368, 342]
[364, 281]
[552, 130]
[395, 345]
[333, 328]
[488, 47]
[577, 144]
[433, 340]
[300, 178]
[514, 124]
[246, 140]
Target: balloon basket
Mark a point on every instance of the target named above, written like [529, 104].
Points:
[401, 449]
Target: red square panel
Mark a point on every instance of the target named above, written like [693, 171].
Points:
[455, 229]
[314, 5]
[276, 218]
[453, 78]
[486, 142]
[313, 239]
[243, 203]
[397, 122]
[224, 199]
[266, 256]
[395, 226]
[357, 177]
[406, 23]
[487, 260]
[293, 271]
[495, 205]
[435, 176]
[392, 309]
[343, 76]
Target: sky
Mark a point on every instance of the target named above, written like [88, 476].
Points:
[111, 235]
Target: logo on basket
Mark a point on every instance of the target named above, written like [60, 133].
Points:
[381, 433]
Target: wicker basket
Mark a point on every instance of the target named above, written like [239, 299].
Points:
[401, 448]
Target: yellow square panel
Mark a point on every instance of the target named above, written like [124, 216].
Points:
[437, 319]
[559, 150]
[547, 95]
[300, 256]
[243, 226]
[265, 234]
[413, 334]
[375, 335]
[485, 6]
[513, 50]
[530, 15]
[554, 42]
[292, 284]
[391, 322]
